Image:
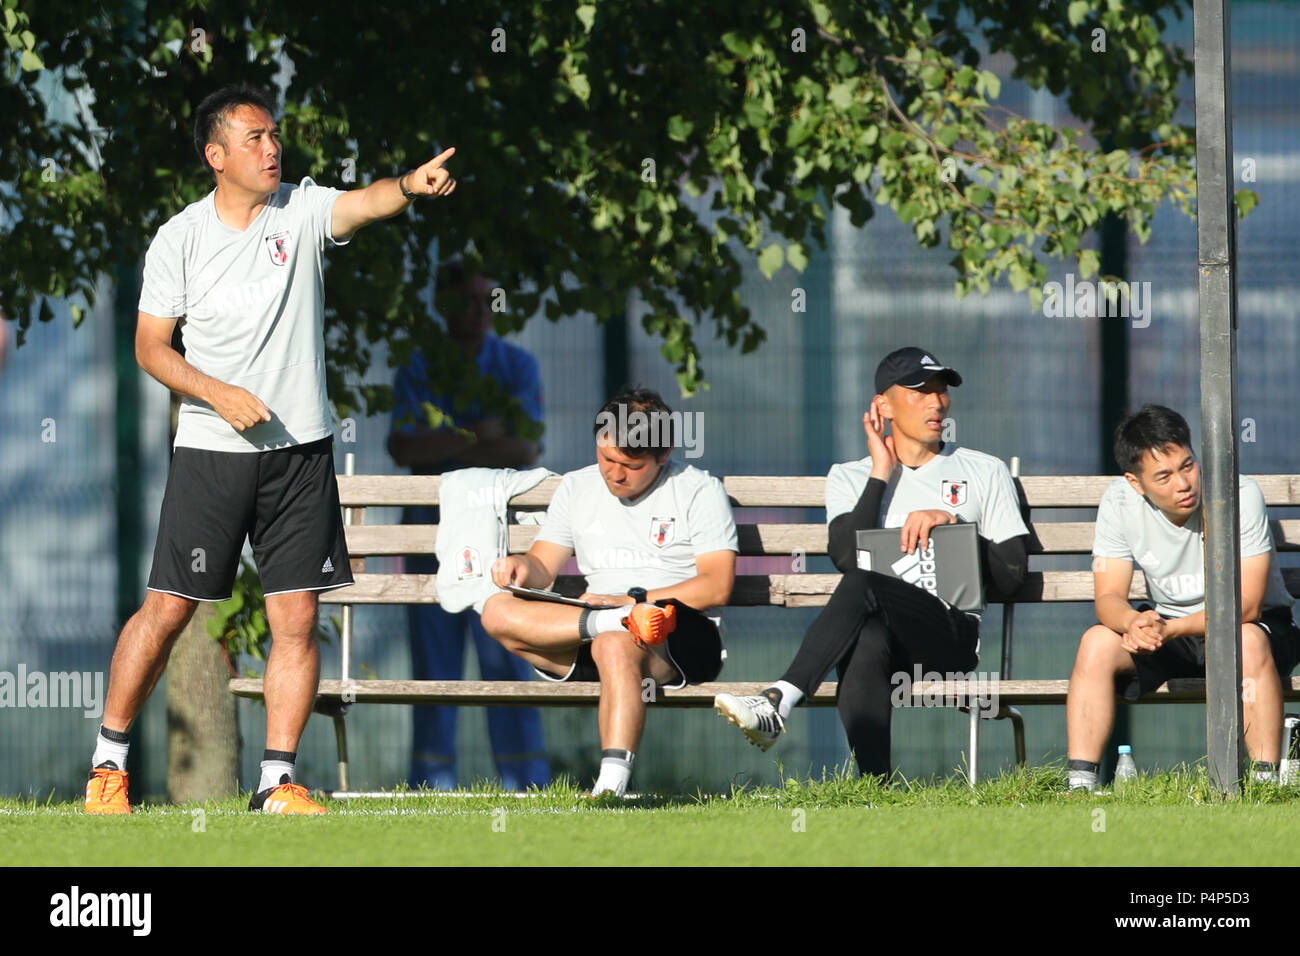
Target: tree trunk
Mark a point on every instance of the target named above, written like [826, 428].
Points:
[203, 742]
[202, 720]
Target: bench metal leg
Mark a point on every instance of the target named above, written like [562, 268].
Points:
[1017, 728]
[341, 737]
[336, 711]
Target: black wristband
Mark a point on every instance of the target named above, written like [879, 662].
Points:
[637, 594]
[401, 184]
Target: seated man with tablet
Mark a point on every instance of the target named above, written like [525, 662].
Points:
[877, 625]
[656, 542]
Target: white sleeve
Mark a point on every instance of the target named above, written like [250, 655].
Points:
[842, 490]
[319, 202]
[1108, 539]
[1000, 516]
[162, 291]
[1256, 536]
[712, 526]
[558, 528]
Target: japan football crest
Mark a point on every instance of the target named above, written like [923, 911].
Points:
[953, 493]
[278, 247]
[469, 564]
[662, 531]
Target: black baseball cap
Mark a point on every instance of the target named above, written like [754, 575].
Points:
[911, 368]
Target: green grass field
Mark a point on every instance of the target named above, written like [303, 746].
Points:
[1023, 818]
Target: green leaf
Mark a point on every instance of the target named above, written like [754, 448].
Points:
[587, 16]
[770, 260]
[1246, 200]
[581, 86]
[1089, 262]
[1019, 277]
[679, 128]
[737, 45]
[841, 94]
[797, 256]
[992, 85]
[31, 62]
[1077, 11]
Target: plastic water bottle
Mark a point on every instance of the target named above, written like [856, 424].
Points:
[1289, 772]
[1125, 768]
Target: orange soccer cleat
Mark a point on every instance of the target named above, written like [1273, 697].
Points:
[286, 798]
[106, 791]
[650, 624]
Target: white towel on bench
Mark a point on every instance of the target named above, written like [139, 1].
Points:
[473, 530]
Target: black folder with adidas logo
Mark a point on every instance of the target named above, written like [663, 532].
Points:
[950, 570]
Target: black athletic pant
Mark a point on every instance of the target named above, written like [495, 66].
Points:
[874, 627]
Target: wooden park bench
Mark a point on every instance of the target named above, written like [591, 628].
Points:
[792, 589]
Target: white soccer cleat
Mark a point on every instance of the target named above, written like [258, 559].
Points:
[754, 715]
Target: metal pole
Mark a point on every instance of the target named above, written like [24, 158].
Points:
[972, 769]
[1216, 245]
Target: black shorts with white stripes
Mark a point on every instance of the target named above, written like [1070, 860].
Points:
[286, 502]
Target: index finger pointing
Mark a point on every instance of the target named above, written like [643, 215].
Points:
[442, 157]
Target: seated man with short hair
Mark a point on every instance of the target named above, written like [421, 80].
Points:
[1151, 517]
[656, 541]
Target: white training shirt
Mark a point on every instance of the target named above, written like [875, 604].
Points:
[975, 487]
[651, 542]
[1129, 527]
[253, 304]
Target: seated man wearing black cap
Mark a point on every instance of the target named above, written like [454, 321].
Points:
[874, 625]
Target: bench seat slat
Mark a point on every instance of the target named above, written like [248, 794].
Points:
[543, 693]
[752, 590]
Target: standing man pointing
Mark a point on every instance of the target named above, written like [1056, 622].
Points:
[243, 269]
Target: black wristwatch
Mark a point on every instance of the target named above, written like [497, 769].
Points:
[401, 184]
[637, 594]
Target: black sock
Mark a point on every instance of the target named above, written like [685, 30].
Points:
[1087, 765]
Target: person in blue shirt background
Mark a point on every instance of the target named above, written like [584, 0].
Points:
[437, 637]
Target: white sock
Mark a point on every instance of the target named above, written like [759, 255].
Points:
[1083, 780]
[615, 771]
[605, 619]
[790, 697]
[1265, 772]
[273, 772]
[110, 751]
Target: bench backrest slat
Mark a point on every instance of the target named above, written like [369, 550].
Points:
[1050, 537]
[780, 491]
